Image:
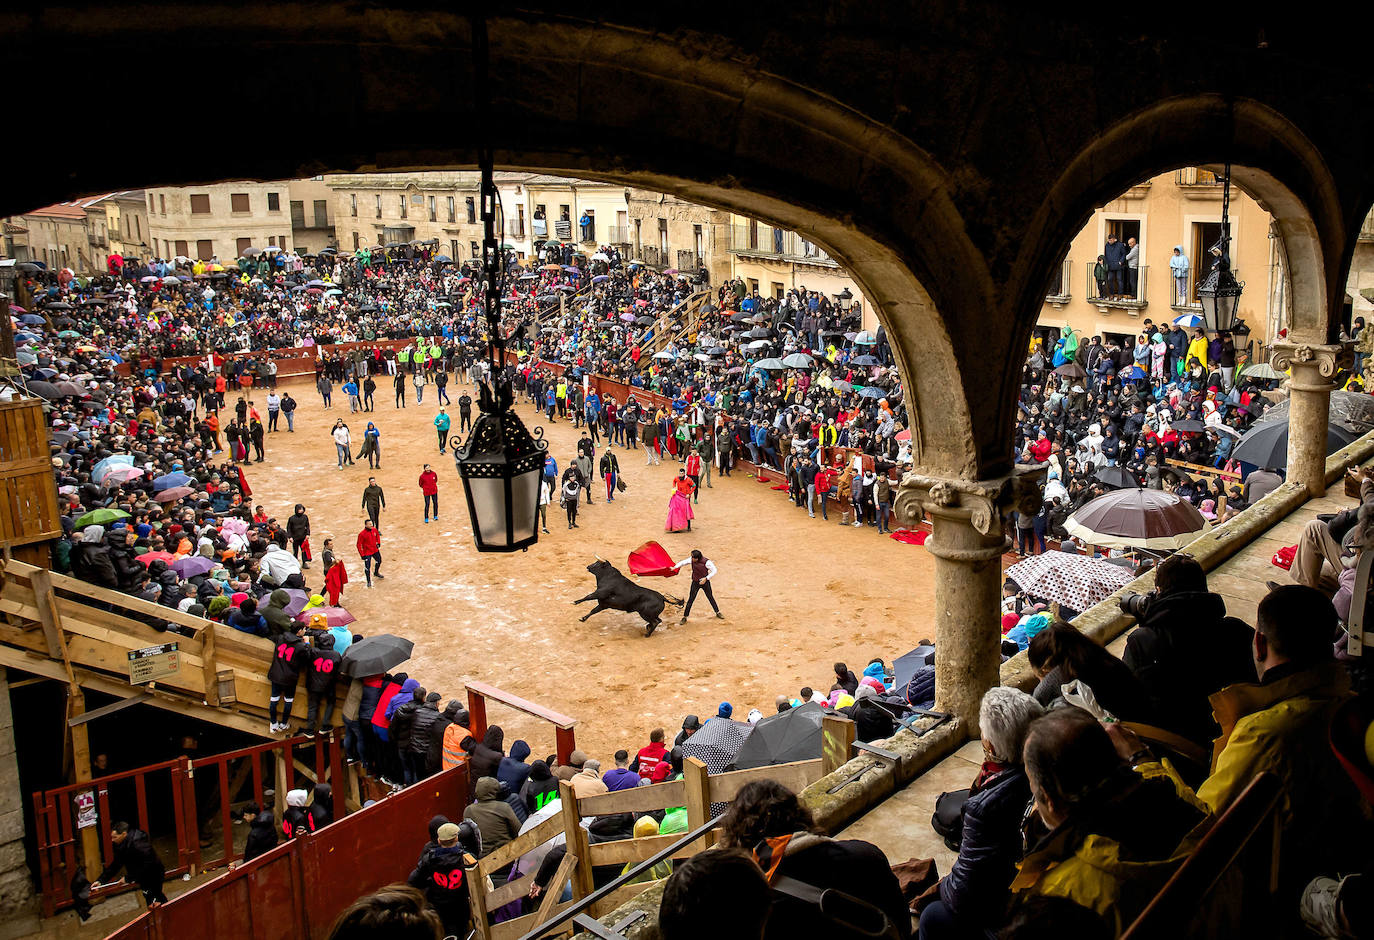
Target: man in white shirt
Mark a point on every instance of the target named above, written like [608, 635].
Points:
[703, 570]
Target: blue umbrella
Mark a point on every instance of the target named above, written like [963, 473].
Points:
[1189, 319]
[866, 339]
[24, 337]
[1133, 372]
[443, 259]
[169, 480]
[32, 318]
[872, 392]
[109, 463]
[601, 277]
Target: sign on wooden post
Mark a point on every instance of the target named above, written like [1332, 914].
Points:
[153, 662]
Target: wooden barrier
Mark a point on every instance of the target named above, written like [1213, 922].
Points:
[28, 492]
[480, 692]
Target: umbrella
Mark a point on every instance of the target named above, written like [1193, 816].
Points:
[1117, 478]
[1188, 425]
[717, 351]
[865, 361]
[865, 339]
[902, 435]
[337, 617]
[103, 466]
[1262, 370]
[840, 385]
[600, 278]
[1075, 581]
[1136, 518]
[905, 667]
[782, 738]
[250, 252]
[1266, 444]
[33, 319]
[775, 364]
[149, 557]
[44, 389]
[374, 655]
[628, 317]
[701, 357]
[169, 480]
[171, 281]
[1189, 319]
[717, 743]
[664, 354]
[100, 516]
[644, 321]
[799, 361]
[758, 344]
[1351, 410]
[193, 567]
[739, 317]
[173, 494]
[443, 259]
[1071, 370]
[121, 474]
[872, 392]
[1133, 372]
[69, 334]
[297, 602]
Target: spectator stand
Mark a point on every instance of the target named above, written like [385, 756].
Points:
[697, 791]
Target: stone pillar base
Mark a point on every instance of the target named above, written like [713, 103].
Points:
[1310, 385]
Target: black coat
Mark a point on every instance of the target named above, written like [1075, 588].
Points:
[262, 836]
[443, 877]
[425, 717]
[1185, 649]
[403, 725]
[856, 868]
[91, 562]
[288, 659]
[135, 856]
[976, 888]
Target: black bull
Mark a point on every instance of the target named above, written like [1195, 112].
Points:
[614, 591]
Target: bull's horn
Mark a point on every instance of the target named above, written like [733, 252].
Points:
[597, 557]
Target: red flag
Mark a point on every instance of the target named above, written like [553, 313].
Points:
[243, 483]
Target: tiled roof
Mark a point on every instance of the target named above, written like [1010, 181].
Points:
[61, 210]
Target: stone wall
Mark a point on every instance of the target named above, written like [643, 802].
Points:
[18, 903]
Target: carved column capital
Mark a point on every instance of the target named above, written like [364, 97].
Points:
[978, 503]
[1313, 365]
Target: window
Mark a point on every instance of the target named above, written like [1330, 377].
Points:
[588, 227]
[777, 290]
[753, 285]
[378, 199]
[402, 202]
[243, 244]
[205, 249]
[126, 225]
[281, 241]
[297, 213]
[663, 240]
[696, 243]
[563, 213]
[321, 213]
[476, 251]
[353, 204]
[150, 204]
[162, 203]
[638, 243]
[1124, 229]
[453, 247]
[182, 248]
[271, 240]
[453, 217]
[433, 211]
[471, 206]
[238, 202]
[754, 234]
[1205, 235]
[274, 202]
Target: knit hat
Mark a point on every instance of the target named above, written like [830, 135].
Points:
[725, 710]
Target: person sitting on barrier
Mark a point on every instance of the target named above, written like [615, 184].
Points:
[768, 820]
[134, 854]
[973, 896]
[396, 912]
[1106, 838]
[262, 831]
[709, 882]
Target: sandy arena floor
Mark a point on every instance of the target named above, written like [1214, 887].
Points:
[797, 594]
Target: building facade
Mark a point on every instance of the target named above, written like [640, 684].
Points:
[669, 232]
[126, 216]
[371, 209]
[773, 261]
[225, 219]
[1178, 209]
[57, 235]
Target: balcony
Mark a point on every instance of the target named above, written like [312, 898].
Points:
[764, 241]
[1197, 183]
[1058, 294]
[1186, 301]
[1114, 291]
[516, 229]
[97, 239]
[618, 234]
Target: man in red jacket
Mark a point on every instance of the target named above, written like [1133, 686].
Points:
[651, 755]
[370, 550]
[693, 467]
[429, 486]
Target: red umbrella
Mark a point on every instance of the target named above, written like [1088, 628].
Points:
[334, 616]
[173, 494]
[651, 560]
[903, 435]
[149, 557]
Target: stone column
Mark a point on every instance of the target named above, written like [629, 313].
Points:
[967, 543]
[1309, 389]
[17, 899]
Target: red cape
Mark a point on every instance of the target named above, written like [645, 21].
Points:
[651, 560]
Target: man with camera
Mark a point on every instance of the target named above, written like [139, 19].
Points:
[1186, 647]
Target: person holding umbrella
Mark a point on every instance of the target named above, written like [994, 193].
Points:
[703, 570]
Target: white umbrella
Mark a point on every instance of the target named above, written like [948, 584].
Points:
[1075, 581]
[664, 355]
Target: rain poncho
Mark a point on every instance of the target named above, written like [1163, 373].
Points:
[646, 827]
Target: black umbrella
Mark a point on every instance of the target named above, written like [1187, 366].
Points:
[45, 390]
[1266, 444]
[1117, 478]
[759, 332]
[782, 738]
[1071, 370]
[644, 321]
[1188, 424]
[63, 321]
[374, 655]
[739, 317]
[58, 305]
[905, 667]
[865, 361]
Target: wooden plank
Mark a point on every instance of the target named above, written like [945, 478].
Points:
[209, 666]
[525, 842]
[520, 704]
[510, 891]
[795, 776]
[42, 594]
[837, 742]
[579, 843]
[698, 801]
[636, 799]
[554, 890]
[66, 583]
[517, 928]
[109, 709]
[623, 851]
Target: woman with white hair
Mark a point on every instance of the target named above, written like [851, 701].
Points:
[974, 895]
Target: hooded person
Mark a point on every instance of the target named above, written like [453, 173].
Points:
[295, 822]
[495, 819]
[91, 560]
[513, 771]
[321, 807]
[540, 789]
[487, 757]
[646, 827]
[278, 620]
[442, 874]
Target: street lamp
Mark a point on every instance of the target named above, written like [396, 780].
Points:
[1220, 293]
[846, 300]
[501, 464]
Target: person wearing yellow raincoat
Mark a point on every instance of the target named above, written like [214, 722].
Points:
[647, 827]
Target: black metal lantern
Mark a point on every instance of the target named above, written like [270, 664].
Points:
[846, 300]
[502, 464]
[1220, 293]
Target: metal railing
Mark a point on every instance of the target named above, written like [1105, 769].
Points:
[1185, 297]
[1116, 288]
[1195, 176]
[1059, 290]
[617, 234]
[770, 241]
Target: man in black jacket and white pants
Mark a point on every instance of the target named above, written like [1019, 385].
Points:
[703, 570]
